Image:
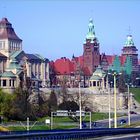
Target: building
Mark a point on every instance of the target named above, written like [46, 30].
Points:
[91, 53]
[90, 60]
[17, 68]
[97, 81]
[130, 50]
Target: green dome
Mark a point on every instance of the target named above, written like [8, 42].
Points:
[129, 41]
[98, 74]
[91, 33]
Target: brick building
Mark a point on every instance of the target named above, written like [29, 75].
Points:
[86, 64]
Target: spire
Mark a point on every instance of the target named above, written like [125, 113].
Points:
[7, 31]
[129, 42]
[91, 32]
[73, 56]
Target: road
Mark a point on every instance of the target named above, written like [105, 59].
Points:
[105, 123]
[99, 124]
[119, 137]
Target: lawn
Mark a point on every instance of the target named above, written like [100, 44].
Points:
[69, 123]
[136, 92]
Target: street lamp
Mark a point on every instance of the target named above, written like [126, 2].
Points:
[109, 90]
[128, 98]
[115, 74]
[79, 73]
[80, 108]
[109, 104]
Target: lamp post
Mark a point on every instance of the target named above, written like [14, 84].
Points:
[128, 104]
[115, 99]
[109, 90]
[109, 104]
[115, 102]
[80, 108]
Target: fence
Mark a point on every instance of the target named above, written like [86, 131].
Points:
[66, 134]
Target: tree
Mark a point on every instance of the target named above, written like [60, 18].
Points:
[69, 105]
[84, 100]
[52, 102]
[122, 82]
[5, 103]
[20, 107]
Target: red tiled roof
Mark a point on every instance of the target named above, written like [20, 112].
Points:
[64, 66]
[6, 30]
[122, 59]
[110, 59]
[79, 60]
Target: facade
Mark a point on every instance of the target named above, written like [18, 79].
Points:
[15, 65]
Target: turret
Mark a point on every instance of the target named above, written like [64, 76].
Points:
[9, 41]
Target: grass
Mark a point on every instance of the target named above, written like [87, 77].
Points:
[136, 92]
[56, 120]
[3, 128]
[20, 128]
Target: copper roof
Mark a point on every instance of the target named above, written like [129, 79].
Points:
[6, 30]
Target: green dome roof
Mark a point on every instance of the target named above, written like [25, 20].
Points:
[98, 74]
[8, 74]
[91, 33]
[14, 65]
[129, 42]
[95, 77]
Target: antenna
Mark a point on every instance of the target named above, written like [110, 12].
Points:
[129, 30]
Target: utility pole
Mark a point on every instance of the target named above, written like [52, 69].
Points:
[80, 108]
[128, 105]
[115, 102]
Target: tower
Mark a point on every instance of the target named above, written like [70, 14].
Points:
[130, 50]
[9, 41]
[91, 52]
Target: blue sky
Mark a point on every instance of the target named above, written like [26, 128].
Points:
[56, 29]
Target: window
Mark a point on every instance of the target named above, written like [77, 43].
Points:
[13, 83]
[94, 83]
[4, 83]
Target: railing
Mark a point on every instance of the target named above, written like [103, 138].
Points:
[66, 134]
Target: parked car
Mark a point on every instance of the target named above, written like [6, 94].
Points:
[122, 121]
[84, 125]
[132, 112]
[94, 124]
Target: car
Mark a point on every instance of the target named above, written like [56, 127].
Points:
[132, 112]
[122, 121]
[94, 124]
[84, 125]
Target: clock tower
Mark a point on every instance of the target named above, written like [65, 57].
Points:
[130, 50]
[91, 52]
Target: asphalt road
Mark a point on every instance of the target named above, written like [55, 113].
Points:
[105, 123]
[119, 137]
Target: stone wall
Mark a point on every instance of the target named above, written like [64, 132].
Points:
[97, 101]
